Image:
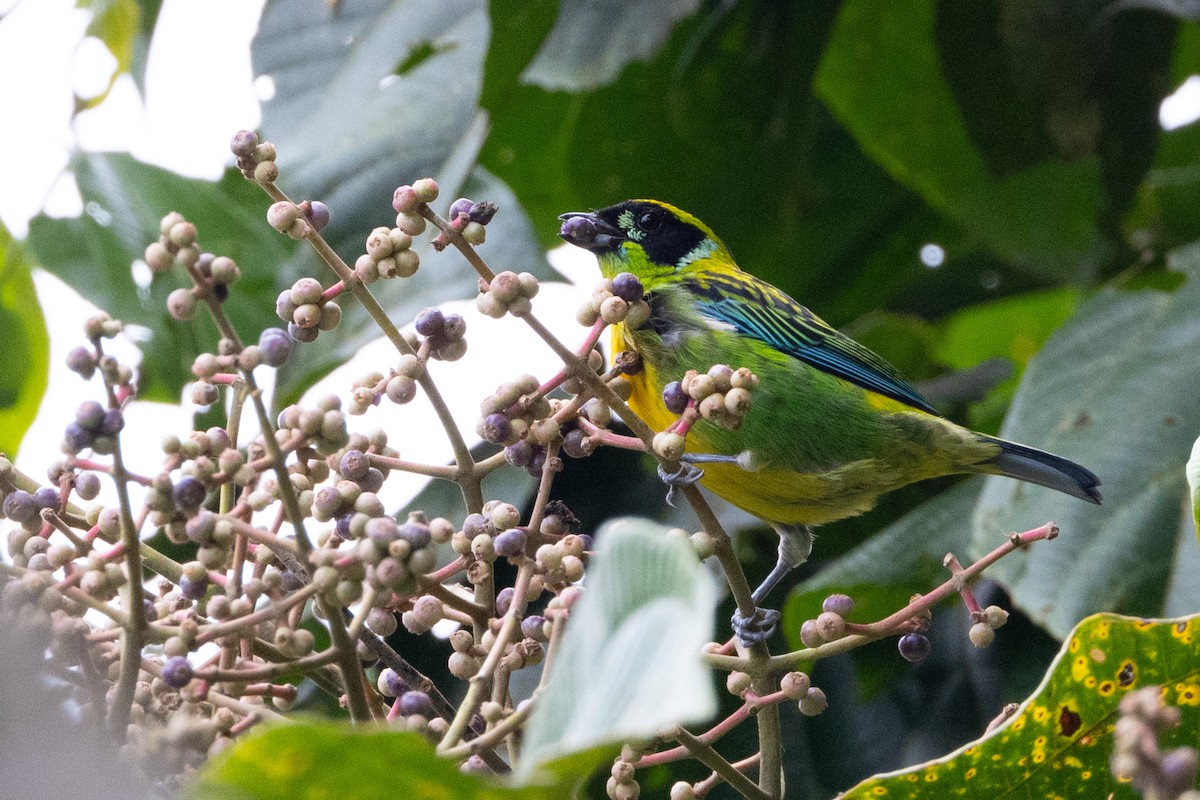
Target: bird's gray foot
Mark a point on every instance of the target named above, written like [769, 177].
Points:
[685, 476]
[756, 628]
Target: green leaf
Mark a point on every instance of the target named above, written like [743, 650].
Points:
[1059, 742]
[882, 573]
[117, 23]
[124, 200]
[1013, 329]
[593, 40]
[352, 122]
[317, 761]
[880, 75]
[1115, 390]
[26, 345]
[629, 664]
[368, 96]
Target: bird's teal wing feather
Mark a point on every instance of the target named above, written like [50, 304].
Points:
[758, 310]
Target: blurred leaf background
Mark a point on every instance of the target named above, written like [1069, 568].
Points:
[982, 191]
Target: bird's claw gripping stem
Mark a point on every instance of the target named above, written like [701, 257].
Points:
[756, 628]
[686, 475]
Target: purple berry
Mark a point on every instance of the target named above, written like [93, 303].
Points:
[574, 443]
[430, 321]
[504, 599]
[19, 506]
[416, 534]
[302, 335]
[382, 530]
[460, 206]
[519, 454]
[82, 362]
[474, 525]
[76, 438]
[674, 397]
[189, 493]
[372, 481]
[354, 465]
[274, 346]
[113, 422]
[318, 214]
[454, 326]
[510, 543]
[46, 497]
[578, 230]
[914, 647]
[392, 684]
[149, 610]
[496, 428]
[415, 702]
[90, 415]
[193, 590]
[177, 672]
[532, 627]
[628, 287]
[840, 604]
[243, 143]
[341, 526]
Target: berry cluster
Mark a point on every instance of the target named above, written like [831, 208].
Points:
[256, 160]
[307, 310]
[468, 218]
[389, 253]
[1137, 757]
[507, 293]
[615, 301]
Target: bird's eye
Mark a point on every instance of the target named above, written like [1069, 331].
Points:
[649, 221]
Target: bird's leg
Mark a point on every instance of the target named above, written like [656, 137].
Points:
[795, 543]
[685, 476]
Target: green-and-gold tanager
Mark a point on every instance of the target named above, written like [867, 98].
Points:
[833, 426]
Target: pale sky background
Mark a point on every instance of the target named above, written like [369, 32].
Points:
[199, 90]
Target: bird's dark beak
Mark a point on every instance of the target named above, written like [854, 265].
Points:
[590, 232]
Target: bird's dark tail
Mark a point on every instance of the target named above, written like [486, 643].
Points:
[1045, 469]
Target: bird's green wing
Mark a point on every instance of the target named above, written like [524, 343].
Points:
[759, 310]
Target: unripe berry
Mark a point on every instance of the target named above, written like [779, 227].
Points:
[981, 634]
[738, 683]
[840, 604]
[795, 685]
[474, 234]
[669, 445]
[266, 172]
[813, 702]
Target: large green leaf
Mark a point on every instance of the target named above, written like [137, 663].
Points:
[1115, 390]
[370, 95]
[721, 122]
[593, 40]
[629, 664]
[124, 200]
[1059, 742]
[382, 94]
[318, 760]
[26, 345]
[880, 75]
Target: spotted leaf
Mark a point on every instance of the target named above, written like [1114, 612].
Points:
[1058, 743]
